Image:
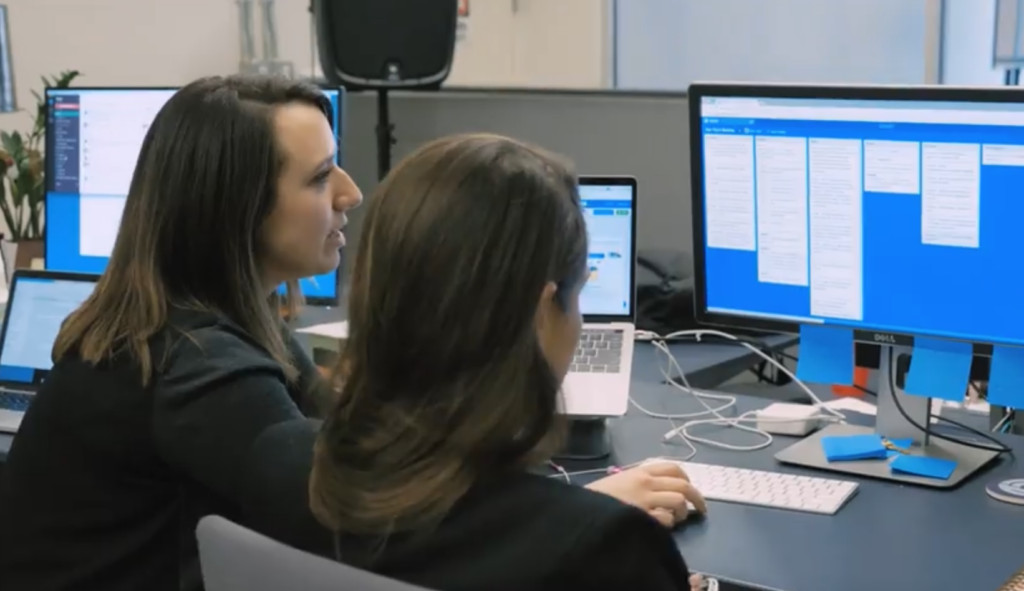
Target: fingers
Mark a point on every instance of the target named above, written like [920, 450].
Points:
[696, 583]
[665, 469]
[664, 517]
[683, 487]
[673, 502]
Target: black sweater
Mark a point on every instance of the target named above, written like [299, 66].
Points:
[106, 480]
[522, 532]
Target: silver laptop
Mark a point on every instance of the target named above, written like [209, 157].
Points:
[37, 304]
[598, 380]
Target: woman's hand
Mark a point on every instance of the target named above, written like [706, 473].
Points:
[662, 489]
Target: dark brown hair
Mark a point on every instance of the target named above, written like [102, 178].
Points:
[205, 181]
[444, 380]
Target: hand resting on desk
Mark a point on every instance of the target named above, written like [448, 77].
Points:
[661, 489]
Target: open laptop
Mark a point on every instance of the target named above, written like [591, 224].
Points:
[598, 380]
[37, 305]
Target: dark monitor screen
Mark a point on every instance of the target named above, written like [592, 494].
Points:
[93, 139]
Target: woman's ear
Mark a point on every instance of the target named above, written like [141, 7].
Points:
[546, 307]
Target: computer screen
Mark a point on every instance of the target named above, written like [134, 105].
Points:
[608, 210]
[93, 140]
[38, 308]
[891, 215]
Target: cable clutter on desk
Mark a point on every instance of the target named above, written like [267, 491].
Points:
[742, 422]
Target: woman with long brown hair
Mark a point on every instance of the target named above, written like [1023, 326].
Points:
[463, 320]
[163, 379]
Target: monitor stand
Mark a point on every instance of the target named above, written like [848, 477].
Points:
[893, 424]
[587, 439]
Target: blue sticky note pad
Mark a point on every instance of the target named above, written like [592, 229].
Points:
[846, 448]
[925, 467]
[900, 443]
[826, 355]
[939, 369]
[1006, 377]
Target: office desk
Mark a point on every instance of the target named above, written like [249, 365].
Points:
[888, 537]
[707, 365]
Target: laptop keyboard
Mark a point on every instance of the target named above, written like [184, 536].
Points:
[14, 401]
[599, 351]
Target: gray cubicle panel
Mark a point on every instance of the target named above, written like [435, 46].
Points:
[610, 132]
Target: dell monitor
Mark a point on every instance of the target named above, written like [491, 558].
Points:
[93, 138]
[893, 212]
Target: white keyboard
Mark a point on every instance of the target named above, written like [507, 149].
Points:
[768, 489]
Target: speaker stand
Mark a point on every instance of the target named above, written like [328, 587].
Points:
[588, 439]
[385, 134]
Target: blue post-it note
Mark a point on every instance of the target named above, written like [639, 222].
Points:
[846, 448]
[826, 355]
[900, 443]
[926, 467]
[1006, 377]
[939, 369]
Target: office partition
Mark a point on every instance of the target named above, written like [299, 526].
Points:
[620, 133]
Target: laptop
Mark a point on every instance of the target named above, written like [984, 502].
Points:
[599, 378]
[37, 304]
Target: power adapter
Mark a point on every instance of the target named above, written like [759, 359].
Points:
[784, 418]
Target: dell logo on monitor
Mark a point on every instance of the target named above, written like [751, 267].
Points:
[885, 338]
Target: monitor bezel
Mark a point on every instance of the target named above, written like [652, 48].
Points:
[339, 126]
[618, 181]
[700, 90]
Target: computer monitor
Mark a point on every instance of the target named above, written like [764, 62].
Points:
[608, 205]
[39, 303]
[891, 211]
[93, 138]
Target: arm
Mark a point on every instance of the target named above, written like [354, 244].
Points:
[275, 493]
[626, 550]
[217, 394]
[314, 391]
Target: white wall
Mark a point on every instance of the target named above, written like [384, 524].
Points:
[968, 28]
[667, 44]
[547, 43]
[535, 43]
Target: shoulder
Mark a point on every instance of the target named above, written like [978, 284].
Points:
[198, 347]
[621, 547]
[602, 542]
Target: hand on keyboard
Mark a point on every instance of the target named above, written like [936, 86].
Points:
[660, 488]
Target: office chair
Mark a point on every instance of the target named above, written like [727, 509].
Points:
[234, 558]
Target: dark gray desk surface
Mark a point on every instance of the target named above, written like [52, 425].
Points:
[888, 537]
[707, 365]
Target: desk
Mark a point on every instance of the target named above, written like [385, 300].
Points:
[888, 537]
[707, 365]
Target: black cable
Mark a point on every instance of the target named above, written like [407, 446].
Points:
[1002, 448]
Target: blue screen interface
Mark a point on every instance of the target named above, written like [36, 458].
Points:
[38, 308]
[93, 141]
[897, 216]
[608, 211]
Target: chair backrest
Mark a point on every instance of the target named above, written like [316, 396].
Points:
[234, 558]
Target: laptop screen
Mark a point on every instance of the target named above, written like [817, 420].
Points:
[609, 211]
[38, 307]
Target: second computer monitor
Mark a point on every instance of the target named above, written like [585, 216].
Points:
[93, 138]
[892, 211]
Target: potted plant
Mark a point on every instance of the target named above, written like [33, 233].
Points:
[22, 186]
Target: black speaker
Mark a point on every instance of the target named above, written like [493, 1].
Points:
[386, 44]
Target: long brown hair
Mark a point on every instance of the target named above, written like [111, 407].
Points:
[205, 181]
[444, 379]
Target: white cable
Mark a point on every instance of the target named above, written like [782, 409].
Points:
[682, 431]
[1002, 421]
